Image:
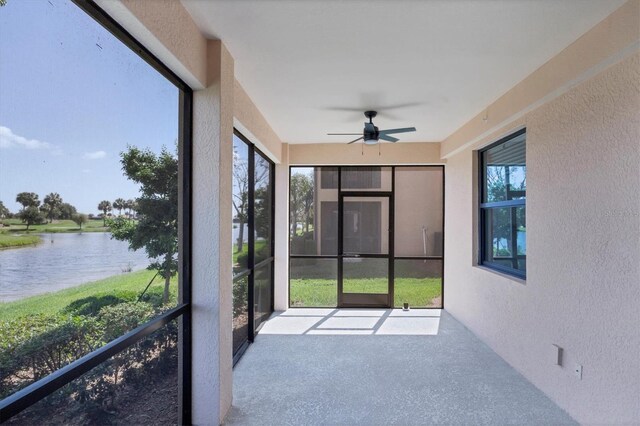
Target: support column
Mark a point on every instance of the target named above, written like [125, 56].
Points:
[211, 240]
[281, 277]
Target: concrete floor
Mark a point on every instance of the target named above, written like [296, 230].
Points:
[371, 367]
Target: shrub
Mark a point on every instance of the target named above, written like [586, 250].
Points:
[240, 296]
[35, 346]
[123, 317]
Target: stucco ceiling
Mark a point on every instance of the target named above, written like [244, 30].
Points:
[312, 67]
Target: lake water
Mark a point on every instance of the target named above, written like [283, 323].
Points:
[62, 261]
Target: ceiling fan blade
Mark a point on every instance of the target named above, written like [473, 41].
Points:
[369, 127]
[401, 130]
[355, 140]
[343, 134]
[388, 138]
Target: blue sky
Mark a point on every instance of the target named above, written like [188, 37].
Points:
[72, 97]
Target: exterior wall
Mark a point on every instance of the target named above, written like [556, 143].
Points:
[355, 154]
[211, 249]
[281, 261]
[582, 290]
[250, 122]
[611, 40]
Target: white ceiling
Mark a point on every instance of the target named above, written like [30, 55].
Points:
[429, 64]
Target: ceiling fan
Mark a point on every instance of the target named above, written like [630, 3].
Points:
[371, 134]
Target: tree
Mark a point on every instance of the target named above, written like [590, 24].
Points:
[79, 219]
[31, 216]
[67, 211]
[240, 198]
[133, 208]
[28, 199]
[119, 204]
[157, 227]
[4, 212]
[301, 207]
[104, 207]
[128, 204]
[51, 205]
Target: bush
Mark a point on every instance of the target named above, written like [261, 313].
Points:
[122, 318]
[240, 296]
[35, 346]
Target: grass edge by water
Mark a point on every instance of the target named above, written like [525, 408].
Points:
[53, 302]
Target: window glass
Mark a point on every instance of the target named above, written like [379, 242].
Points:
[418, 211]
[262, 208]
[418, 282]
[329, 177]
[313, 212]
[505, 171]
[263, 294]
[365, 275]
[252, 209]
[313, 282]
[89, 173]
[503, 206]
[240, 205]
[135, 387]
[240, 311]
[366, 179]
[365, 225]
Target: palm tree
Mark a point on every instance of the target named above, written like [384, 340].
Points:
[51, 204]
[129, 206]
[28, 199]
[104, 207]
[119, 204]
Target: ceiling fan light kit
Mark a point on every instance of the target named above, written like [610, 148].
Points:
[371, 135]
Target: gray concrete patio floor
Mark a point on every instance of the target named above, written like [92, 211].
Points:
[376, 366]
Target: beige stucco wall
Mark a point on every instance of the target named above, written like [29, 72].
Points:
[583, 269]
[211, 236]
[611, 40]
[281, 255]
[249, 121]
[354, 154]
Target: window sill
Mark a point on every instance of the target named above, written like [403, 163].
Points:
[521, 281]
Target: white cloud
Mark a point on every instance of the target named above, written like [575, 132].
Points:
[95, 155]
[8, 139]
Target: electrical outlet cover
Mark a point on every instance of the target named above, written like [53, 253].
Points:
[577, 370]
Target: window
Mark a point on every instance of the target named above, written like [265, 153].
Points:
[357, 205]
[252, 241]
[503, 194]
[354, 178]
[94, 314]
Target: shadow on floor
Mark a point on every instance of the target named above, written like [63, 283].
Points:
[353, 322]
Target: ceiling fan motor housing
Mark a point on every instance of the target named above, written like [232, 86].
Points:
[375, 135]
[368, 134]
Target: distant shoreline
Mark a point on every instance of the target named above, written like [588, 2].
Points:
[9, 241]
[16, 235]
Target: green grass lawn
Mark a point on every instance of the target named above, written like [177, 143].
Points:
[419, 292]
[9, 240]
[259, 245]
[15, 225]
[51, 303]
